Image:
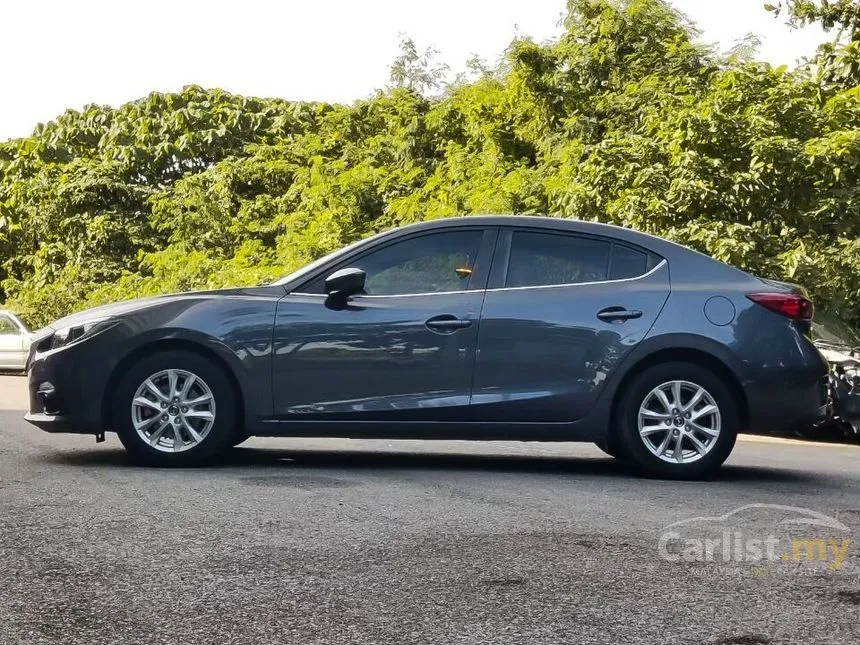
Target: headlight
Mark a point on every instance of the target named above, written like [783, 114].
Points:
[68, 335]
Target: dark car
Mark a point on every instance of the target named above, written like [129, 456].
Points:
[524, 328]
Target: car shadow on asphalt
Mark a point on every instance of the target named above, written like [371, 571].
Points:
[358, 460]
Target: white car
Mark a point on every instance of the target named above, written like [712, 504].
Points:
[15, 341]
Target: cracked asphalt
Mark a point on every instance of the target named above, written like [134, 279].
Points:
[340, 541]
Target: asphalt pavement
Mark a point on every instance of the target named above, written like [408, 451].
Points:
[340, 541]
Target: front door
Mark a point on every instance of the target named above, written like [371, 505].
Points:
[561, 313]
[403, 350]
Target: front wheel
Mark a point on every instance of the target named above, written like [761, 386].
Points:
[678, 420]
[174, 409]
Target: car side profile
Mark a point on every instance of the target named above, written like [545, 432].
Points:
[502, 327]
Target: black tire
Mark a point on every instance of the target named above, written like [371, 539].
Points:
[220, 434]
[627, 416]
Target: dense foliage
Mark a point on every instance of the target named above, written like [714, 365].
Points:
[621, 120]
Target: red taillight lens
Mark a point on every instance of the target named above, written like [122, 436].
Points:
[789, 305]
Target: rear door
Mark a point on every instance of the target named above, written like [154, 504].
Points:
[560, 314]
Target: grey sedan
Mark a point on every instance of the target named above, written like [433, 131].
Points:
[525, 328]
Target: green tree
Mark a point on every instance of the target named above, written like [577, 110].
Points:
[622, 119]
[839, 59]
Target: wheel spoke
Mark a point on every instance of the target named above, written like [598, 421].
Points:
[678, 454]
[177, 439]
[199, 414]
[155, 436]
[647, 431]
[698, 445]
[186, 387]
[191, 431]
[171, 380]
[700, 428]
[142, 401]
[665, 444]
[199, 401]
[702, 412]
[676, 395]
[661, 396]
[650, 414]
[152, 387]
[143, 425]
[692, 403]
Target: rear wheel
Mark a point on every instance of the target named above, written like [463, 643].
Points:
[174, 409]
[678, 420]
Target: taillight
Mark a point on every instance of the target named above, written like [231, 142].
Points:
[789, 305]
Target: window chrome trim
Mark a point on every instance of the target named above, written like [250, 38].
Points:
[581, 284]
[392, 295]
[662, 263]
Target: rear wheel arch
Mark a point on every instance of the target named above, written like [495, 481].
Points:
[680, 354]
[167, 345]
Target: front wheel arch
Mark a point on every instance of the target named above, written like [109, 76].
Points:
[167, 345]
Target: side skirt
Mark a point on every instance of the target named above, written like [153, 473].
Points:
[582, 430]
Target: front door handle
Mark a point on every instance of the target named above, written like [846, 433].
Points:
[446, 323]
[618, 314]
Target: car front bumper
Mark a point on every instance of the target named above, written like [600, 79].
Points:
[66, 386]
[54, 423]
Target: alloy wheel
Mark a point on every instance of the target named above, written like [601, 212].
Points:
[679, 422]
[173, 410]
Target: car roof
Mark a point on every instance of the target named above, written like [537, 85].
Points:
[696, 264]
[691, 264]
[630, 235]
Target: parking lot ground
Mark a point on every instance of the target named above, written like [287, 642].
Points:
[344, 541]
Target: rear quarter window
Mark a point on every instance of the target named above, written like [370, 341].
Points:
[628, 262]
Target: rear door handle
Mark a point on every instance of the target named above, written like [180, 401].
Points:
[618, 314]
[446, 323]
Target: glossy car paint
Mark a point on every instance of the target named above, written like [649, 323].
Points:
[374, 357]
[535, 363]
[545, 355]
[232, 326]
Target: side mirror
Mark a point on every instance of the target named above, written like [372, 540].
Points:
[346, 282]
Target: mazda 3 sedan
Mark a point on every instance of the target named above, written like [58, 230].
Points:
[523, 328]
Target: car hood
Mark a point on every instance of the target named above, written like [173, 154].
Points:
[127, 306]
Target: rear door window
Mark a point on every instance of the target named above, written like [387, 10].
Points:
[543, 259]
